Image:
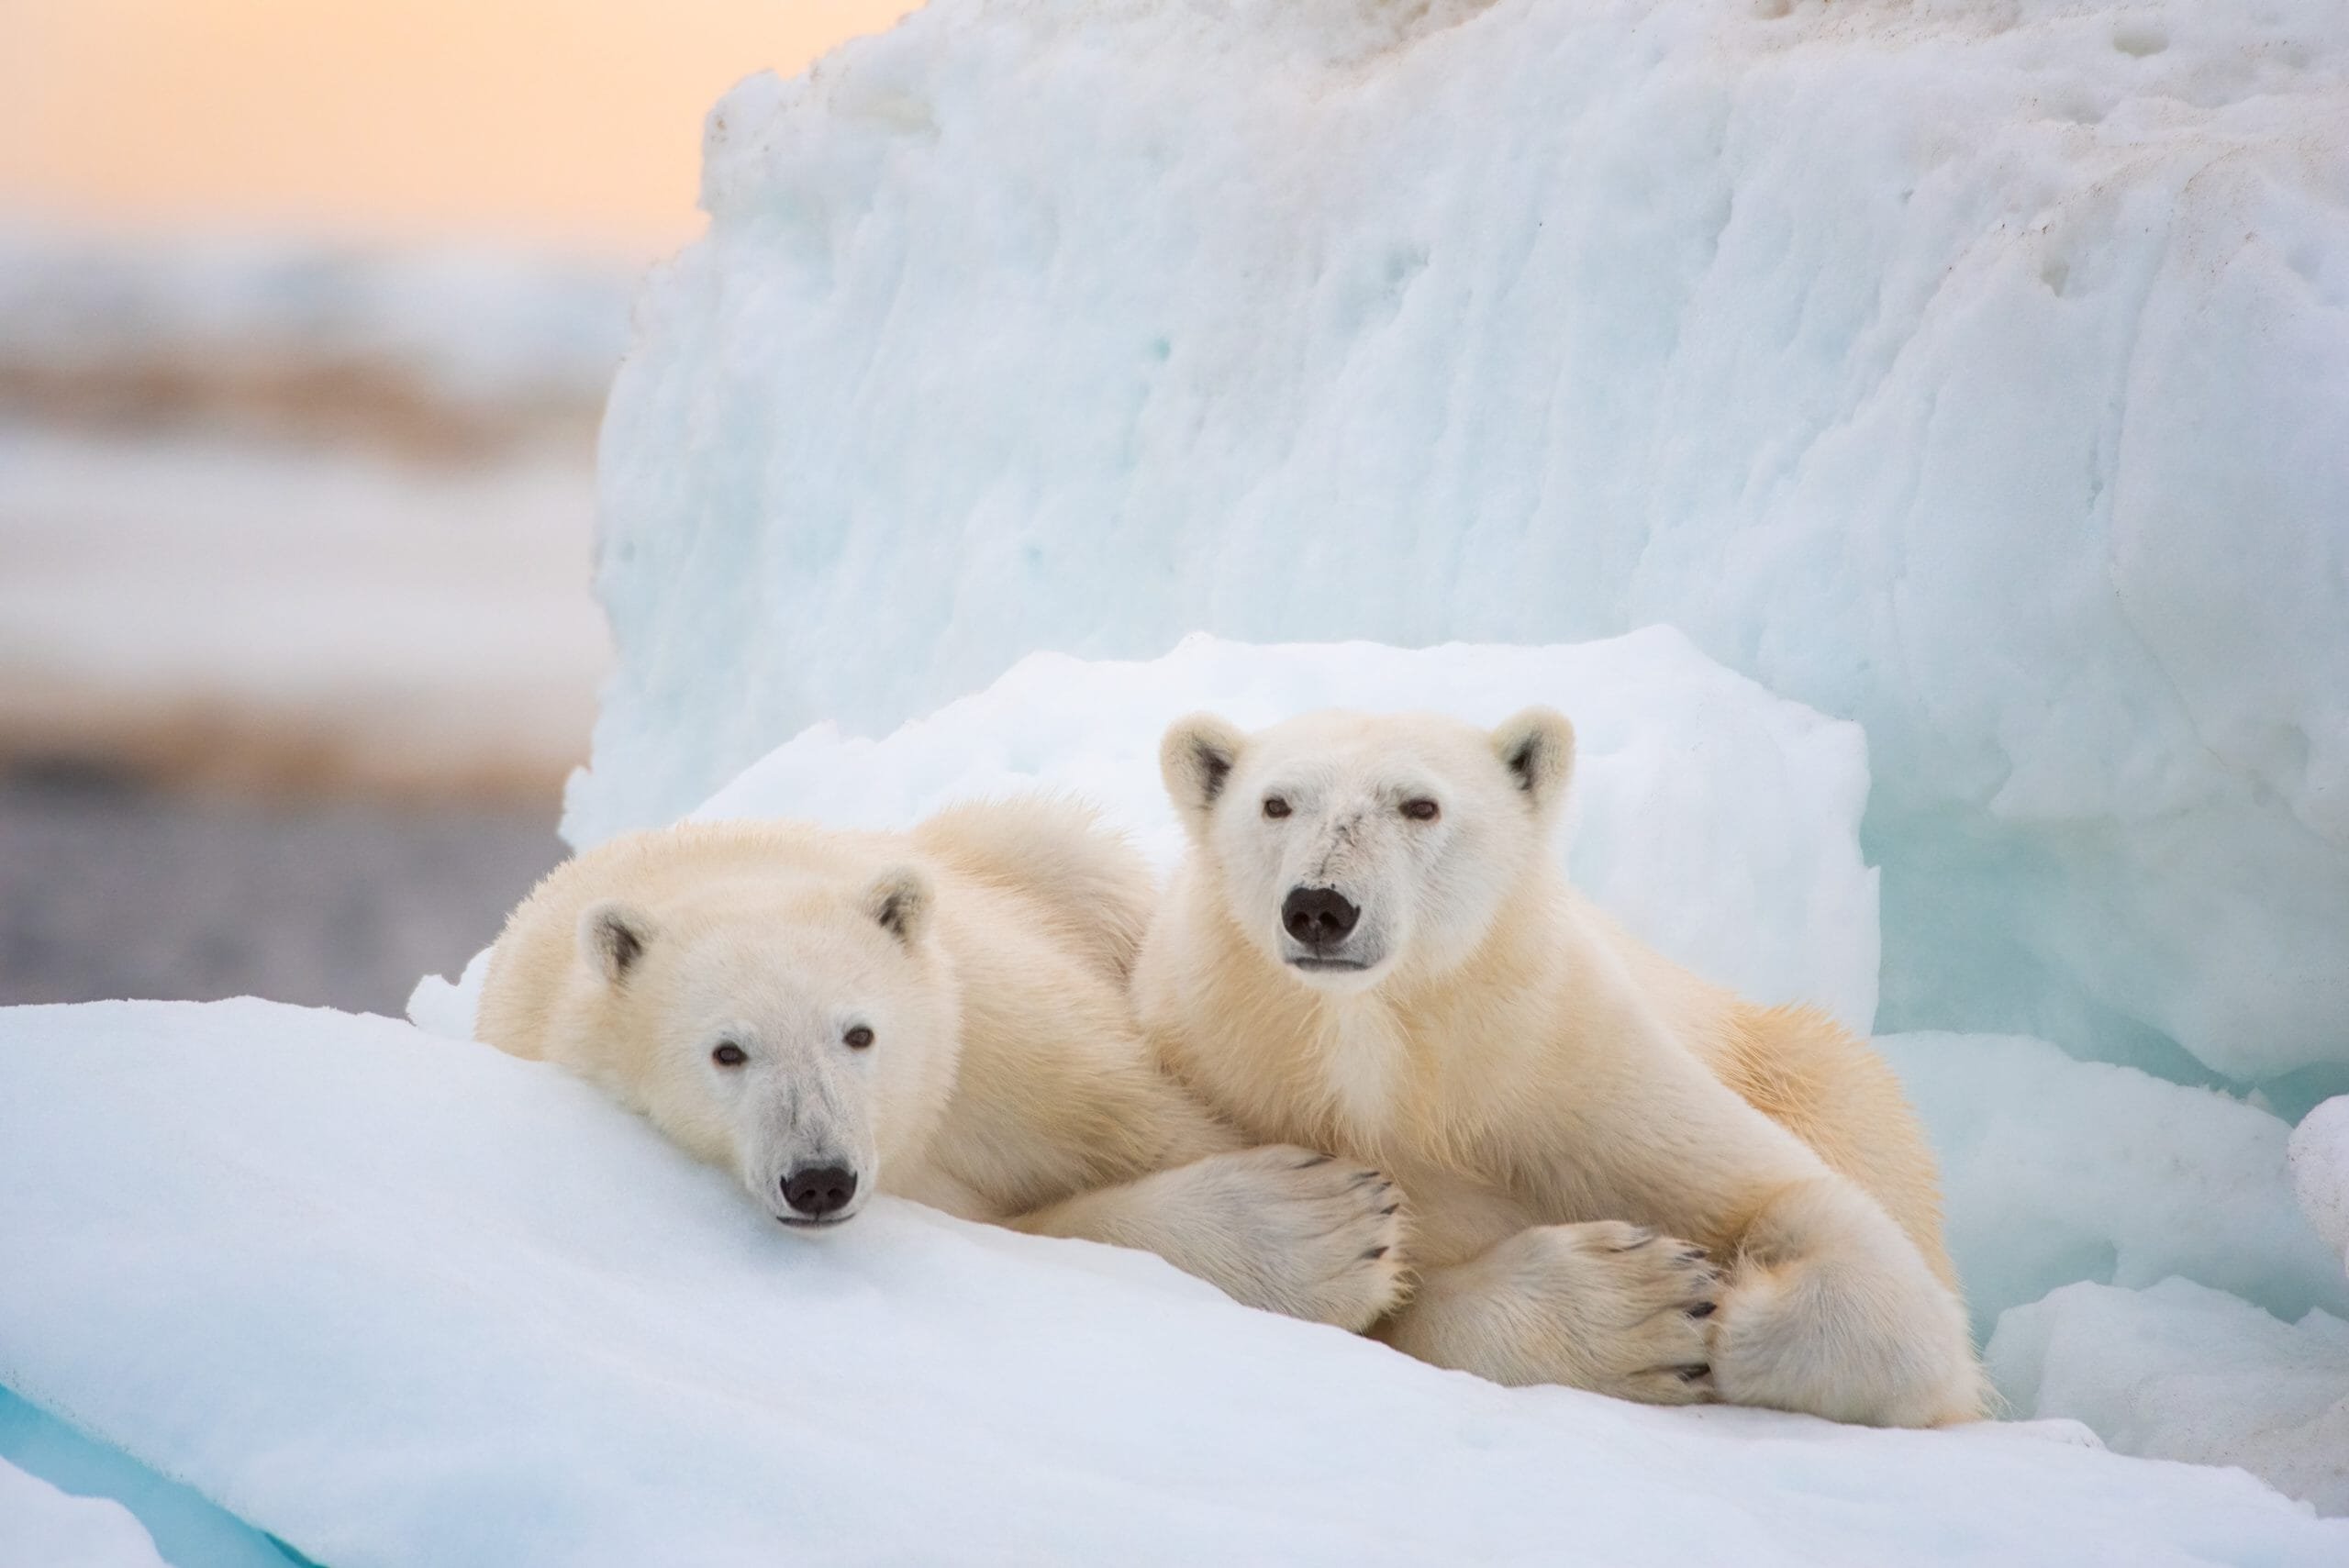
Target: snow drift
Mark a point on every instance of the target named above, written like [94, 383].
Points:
[1973, 371]
[506, 1322]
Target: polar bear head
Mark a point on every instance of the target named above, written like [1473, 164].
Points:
[1352, 846]
[797, 1031]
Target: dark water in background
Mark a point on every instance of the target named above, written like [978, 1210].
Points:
[110, 888]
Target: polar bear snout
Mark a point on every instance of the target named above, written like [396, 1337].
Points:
[1332, 938]
[1319, 920]
[818, 1193]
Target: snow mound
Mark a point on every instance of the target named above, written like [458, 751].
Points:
[2055, 1171]
[41, 1526]
[2320, 1158]
[2182, 1372]
[1973, 371]
[509, 1323]
[1719, 822]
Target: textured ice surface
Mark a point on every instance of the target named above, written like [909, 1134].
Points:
[2320, 1157]
[2055, 1171]
[41, 1527]
[2181, 1371]
[414, 1302]
[1977, 371]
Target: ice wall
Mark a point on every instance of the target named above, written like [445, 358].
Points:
[1973, 371]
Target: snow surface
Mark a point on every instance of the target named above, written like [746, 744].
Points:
[41, 1527]
[1975, 371]
[402, 1299]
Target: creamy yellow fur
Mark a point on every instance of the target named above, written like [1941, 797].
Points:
[1585, 1132]
[988, 951]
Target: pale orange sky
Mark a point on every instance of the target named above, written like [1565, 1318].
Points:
[564, 122]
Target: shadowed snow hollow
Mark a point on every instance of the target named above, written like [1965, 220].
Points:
[1975, 371]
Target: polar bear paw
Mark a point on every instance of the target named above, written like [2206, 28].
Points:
[1306, 1234]
[1604, 1305]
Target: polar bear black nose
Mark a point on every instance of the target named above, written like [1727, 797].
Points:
[1318, 917]
[817, 1190]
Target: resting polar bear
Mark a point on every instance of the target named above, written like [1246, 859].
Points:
[1371, 951]
[941, 1016]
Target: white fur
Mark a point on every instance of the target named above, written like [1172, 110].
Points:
[1620, 1177]
[987, 954]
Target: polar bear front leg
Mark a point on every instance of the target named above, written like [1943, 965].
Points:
[1604, 1305]
[1830, 1308]
[1278, 1228]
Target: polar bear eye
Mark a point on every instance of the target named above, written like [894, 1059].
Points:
[858, 1038]
[1420, 809]
[1274, 806]
[728, 1054]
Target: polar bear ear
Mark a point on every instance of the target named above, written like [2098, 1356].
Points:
[1195, 760]
[613, 936]
[1537, 747]
[898, 900]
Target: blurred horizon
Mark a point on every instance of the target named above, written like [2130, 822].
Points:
[562, 125]
[307, 313]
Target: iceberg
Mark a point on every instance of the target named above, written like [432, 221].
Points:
[1973, 373]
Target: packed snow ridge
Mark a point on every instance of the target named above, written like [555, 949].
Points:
[1974, 373]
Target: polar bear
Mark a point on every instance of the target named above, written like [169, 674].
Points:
[941, 1016]
[1619, 1176]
